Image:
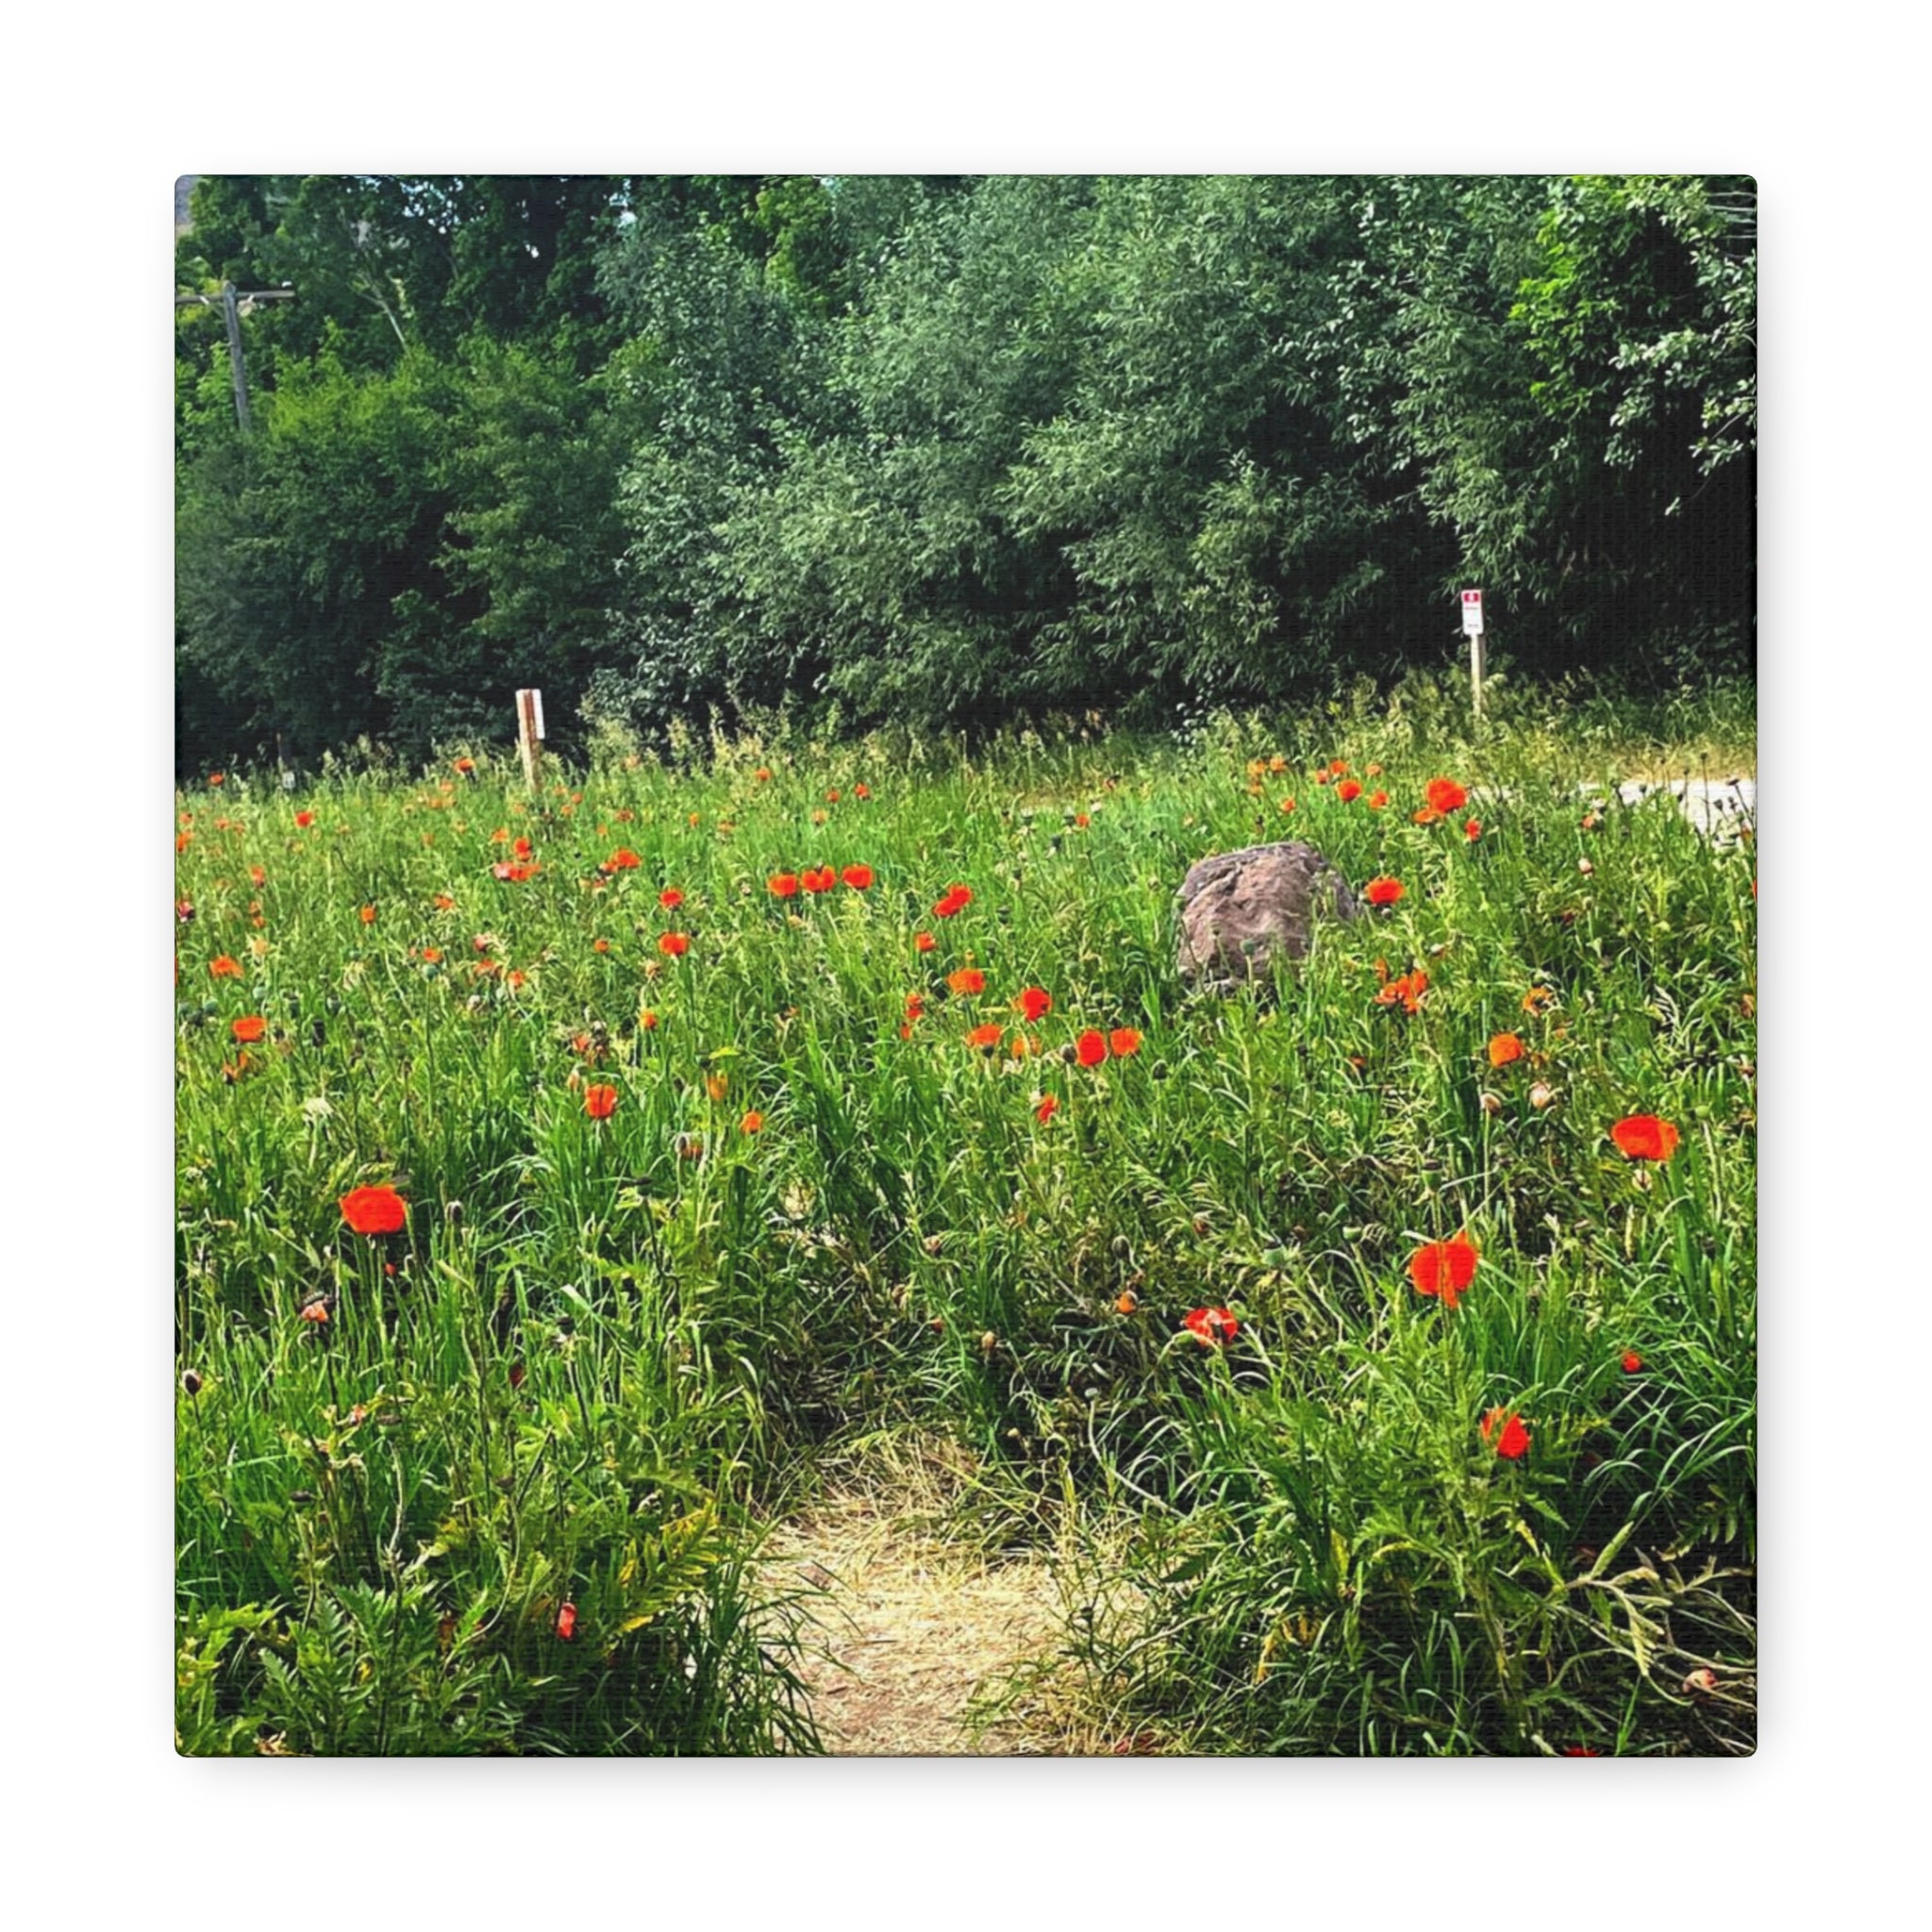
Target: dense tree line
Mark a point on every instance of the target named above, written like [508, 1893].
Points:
[946, 449]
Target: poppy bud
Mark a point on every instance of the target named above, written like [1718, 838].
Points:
[191, 1382]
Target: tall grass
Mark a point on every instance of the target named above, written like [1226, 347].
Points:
[503, 1496]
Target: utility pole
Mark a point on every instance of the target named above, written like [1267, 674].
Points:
[232, 299]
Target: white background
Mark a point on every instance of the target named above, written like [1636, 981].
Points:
[102, 121]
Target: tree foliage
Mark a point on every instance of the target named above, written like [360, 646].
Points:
[948, 448]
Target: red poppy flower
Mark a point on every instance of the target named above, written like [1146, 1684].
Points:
[861, 791]
[783, 885]
[915, 1006]
[1211, 1327]
[624, 859]
[858, 876]
[924, 942]
[674, 944]
[463, 766]
[1445, 795]
[1632, 1361]
[600, 1102]
[1349, 790]
[647, 1020]
[567, 1622]
[226, 968]
[432, 954]
[1123, 1042]
[820, 881]
[1034, 1003]
[375, 1210]
[1091, 1048]
[763, 774]
[752, 1122]
[1504, 1047]
[1643, 1137]
[1382, 891]
[1405, 991]
[521, 848]
[249, 1028]
[985, 1037]
[671, 898]
[1444, 1269]
[1337, 767]
[955, 900]
[217, 777]
[1048, 1107]
[304, 819]
[968, 979]
[1504, 1430]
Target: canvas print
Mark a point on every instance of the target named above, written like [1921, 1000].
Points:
[965, 964]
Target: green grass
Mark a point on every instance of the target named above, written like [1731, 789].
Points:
[600, 1351]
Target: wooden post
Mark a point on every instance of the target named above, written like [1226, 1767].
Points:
[1472, 629]
[530, 735]
[238, 371]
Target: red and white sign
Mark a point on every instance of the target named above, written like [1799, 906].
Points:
[1473, 613]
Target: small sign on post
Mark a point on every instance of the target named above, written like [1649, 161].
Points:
[530, 735]
[1473, 630]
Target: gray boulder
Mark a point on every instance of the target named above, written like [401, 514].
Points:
[1241, 911]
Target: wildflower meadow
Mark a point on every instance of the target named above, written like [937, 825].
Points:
[562, 1176]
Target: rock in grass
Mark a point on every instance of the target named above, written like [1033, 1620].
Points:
[1241, 911]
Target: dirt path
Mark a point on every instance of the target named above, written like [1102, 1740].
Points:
[911, 1639]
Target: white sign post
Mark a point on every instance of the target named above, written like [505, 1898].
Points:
[1472, 629]
[530, 734]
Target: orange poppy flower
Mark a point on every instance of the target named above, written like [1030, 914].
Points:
[249, 1028]
[1091, 1048]
[463, 767]
[752, 1122]
[647, 1020]
[1504, 1047]
[1444, 1269]
[1348, 791]
[969, 979]
[674, 944]
[1445, 795]
[1378, 799]
[861, 791]
[375, 1210]
[1502, 1428]
[1427, 815]
[1405, 990]
[763, 774]
[623, 859]
[924, 942]
[717, 1085]
[1048, 1107]
[432, 956]
[1382, 891]
[1034, 1003]
[600, 945]
[915, 1006]
[1537, 999]
[1211, 1327]
[217, 777]
[444, 903]
[1288, 805]
[985, 1037]
[226, 968]
[858, 876]
[783, 885]
[1337, 767]
[1643, 1137]
[671, 898]
[600, 1102]
[1122, 1042]
[1127, 1302]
